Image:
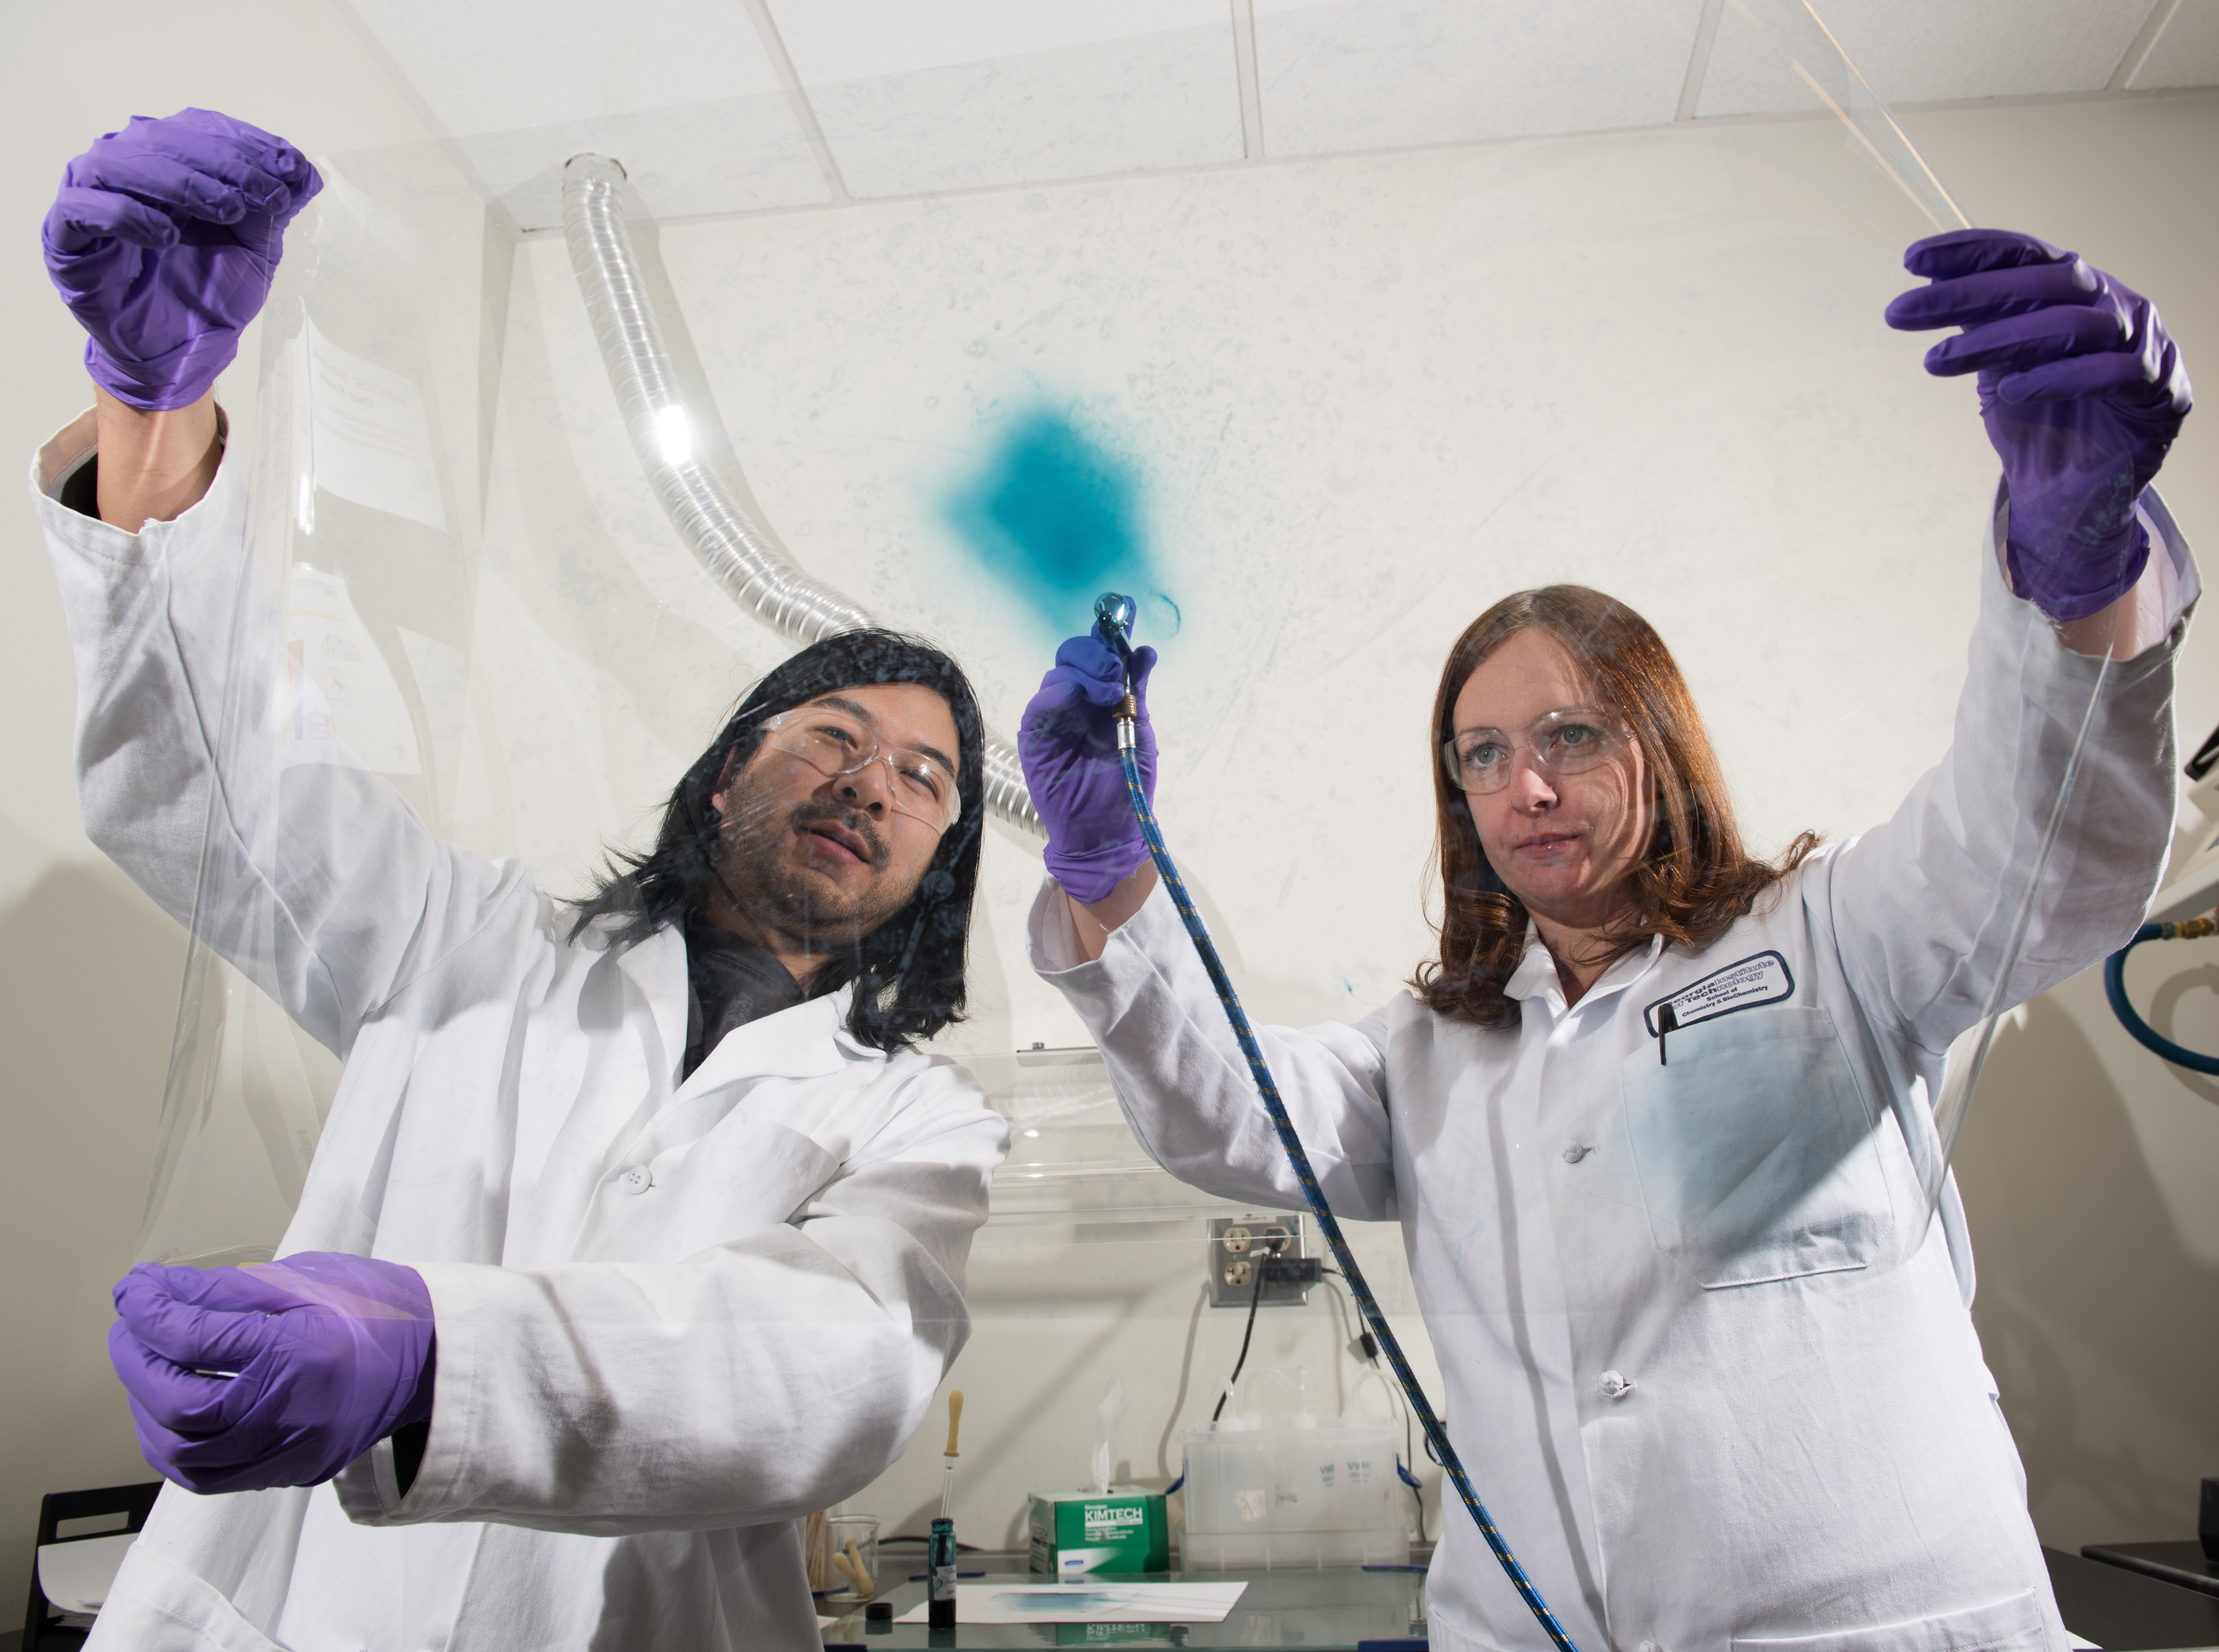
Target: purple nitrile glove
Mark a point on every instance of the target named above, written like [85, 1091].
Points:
[162, 241]
[330, 1353]
[2082, 391]
[1067, 741]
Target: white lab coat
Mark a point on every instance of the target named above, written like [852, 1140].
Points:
[1711, 1372]
[672, 1317]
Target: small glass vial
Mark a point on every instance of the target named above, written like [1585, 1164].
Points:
[940, 1569]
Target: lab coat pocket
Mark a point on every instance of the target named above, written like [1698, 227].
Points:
[2013, 1624]
[1754, 1149]
[744, 1175]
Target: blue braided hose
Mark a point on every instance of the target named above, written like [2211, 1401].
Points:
[1268, 1088]
[2115, 989]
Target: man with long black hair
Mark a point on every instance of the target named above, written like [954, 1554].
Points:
[793, 892]
[637, 1228]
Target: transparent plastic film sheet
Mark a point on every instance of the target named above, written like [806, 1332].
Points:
[511, 442]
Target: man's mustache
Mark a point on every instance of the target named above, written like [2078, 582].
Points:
[809, 814]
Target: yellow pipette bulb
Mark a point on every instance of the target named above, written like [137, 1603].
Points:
[948, 1479]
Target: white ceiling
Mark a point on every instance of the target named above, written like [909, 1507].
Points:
[717, 106]
[1376, 74]
[524, 84]
[916, 95]
[2184, 52]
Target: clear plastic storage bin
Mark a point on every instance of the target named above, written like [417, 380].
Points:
[1292, 1498]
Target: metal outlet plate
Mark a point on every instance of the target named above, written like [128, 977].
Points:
[1239, 1244]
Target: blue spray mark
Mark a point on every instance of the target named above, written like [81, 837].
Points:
[1055, 517]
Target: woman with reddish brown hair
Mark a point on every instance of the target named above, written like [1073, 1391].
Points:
[1657, 1122]
[1692, 877]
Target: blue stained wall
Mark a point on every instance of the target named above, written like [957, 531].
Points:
[1055, 517]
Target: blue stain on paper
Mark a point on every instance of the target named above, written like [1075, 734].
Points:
[1064, 1598]
[1055, 517]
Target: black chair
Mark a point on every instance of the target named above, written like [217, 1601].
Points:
[41, 1630]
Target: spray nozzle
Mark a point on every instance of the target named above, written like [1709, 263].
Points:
[1113, 618]
[1113, 624]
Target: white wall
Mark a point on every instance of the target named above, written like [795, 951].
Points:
[1367, 397]
[1293, 353]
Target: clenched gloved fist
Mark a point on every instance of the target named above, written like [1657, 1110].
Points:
[1067, 741]
[2082, 391]
[327, 1354]
[162, 241]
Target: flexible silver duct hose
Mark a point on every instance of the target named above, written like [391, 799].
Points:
[741, 553]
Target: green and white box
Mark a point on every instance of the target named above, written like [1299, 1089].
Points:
[1122, 1529]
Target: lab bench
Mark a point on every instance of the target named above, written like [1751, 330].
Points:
[1333, 1608]
[2119, 1609]
[2175, 1563]
[2124, 1611]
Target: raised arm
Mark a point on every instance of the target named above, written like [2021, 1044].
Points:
[1107, 935]
[153, 466]
[163, 240]
[2082, 391]
[1184, 1084]
[295, 862]
[1922, 906]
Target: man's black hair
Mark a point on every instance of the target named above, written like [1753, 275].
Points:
[908, 973]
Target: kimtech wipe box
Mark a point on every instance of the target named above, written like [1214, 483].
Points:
[1121, 1530]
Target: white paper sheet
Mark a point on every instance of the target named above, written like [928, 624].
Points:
[74, 1576]
[372, 440]
[1098, 1600]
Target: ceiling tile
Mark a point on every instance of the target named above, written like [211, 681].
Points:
[1376, 74]
[1927, 51]
[505, 63]
[524, 87]
[916, 96]
[2186, 50]
[738, 154]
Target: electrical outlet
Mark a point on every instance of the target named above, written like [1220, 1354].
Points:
[1238, 1246]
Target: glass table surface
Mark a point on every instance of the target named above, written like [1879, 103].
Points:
[1333, 1611]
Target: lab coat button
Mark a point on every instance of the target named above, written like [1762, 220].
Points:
[1614, 1387]
[1575, 1151]
[636, 1179]
[1650, 1646]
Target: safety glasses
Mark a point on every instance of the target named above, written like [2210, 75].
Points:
[1563, 741]
[835, 744]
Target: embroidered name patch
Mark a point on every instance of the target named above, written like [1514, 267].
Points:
[1761, 979]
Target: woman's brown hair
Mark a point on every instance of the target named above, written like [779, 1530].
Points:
[1696, 878]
